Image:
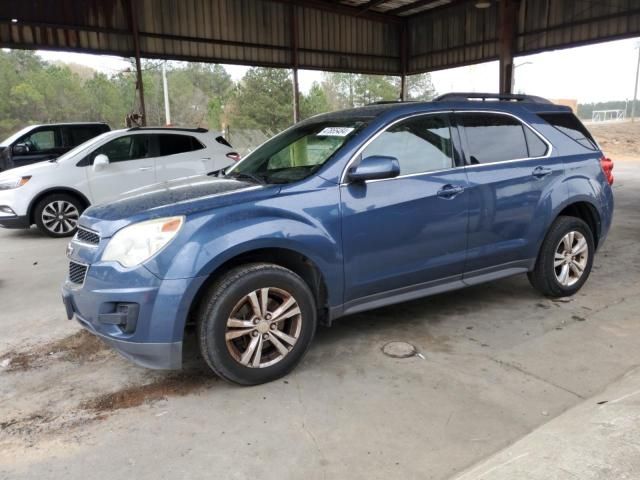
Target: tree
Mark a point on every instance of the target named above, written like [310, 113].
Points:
[314, 102]
[262, 100]
[348, 90]
[420, 87]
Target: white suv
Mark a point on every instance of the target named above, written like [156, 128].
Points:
[53, 194]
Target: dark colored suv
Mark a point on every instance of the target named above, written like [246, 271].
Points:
[339, 214]
[45, 142]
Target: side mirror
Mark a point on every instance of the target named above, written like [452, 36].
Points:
[374, 168]
[20, 149]
[100, 162]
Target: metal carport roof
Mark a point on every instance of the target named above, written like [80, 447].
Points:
[393, 37]
[351, 35]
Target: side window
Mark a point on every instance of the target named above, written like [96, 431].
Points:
[81, 133]
[40, 140]
[170, 144]
[130, 147]
[569, 124]
[535, 145]
[422, 144]
[493, 137]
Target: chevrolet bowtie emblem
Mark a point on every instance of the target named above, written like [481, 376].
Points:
[69, 250]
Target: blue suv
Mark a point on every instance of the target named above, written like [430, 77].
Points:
[341, 213]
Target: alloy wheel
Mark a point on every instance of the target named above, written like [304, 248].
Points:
[60, 217]
[570, 259]
[263, 327]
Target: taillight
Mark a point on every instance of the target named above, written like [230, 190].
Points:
[235, 156]
[607, 167]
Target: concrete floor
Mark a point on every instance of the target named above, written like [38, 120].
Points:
[499, 362]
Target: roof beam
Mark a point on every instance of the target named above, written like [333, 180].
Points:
[418, 4]
[371, 4]
[342, 9]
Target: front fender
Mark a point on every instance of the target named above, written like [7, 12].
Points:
[310, 227]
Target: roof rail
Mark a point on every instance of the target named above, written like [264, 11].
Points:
[180, 129]
[502, 97]
[390, 102]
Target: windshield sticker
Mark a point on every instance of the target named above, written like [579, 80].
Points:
[335, 132]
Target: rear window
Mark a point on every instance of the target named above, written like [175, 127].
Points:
[81, 133]
[569, 124]
[171, 144]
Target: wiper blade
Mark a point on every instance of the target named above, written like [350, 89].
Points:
[251, 176]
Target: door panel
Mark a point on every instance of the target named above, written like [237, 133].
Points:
[409, 230]
[506, 189]
[399, 232]
[131, 166]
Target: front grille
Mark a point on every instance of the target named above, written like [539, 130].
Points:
[87, 236]
[77, 272]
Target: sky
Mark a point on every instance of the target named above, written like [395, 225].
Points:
[593, 73]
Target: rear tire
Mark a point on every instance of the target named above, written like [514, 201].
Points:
[57, 215]
[256, 323]
[565, 258]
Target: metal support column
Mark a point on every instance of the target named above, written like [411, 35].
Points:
[294, 63]
[507, 42]
[404, 55]
[136, 45]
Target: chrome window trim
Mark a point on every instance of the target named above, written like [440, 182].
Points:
[358, 152]
[362, 147]
[522, 122]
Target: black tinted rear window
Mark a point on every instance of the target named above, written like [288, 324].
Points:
[493, 138]
[79, 134]
[170, 144]
[569, 124]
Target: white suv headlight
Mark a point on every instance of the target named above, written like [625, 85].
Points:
[139, 242]
[14, 182]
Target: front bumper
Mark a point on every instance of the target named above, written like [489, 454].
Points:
[162, 356]
[161, 309]
[15, 221]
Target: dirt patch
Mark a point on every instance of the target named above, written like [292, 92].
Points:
[136, 395]
[37, 425]
[617, 139]
[32, 428]
[79, 347]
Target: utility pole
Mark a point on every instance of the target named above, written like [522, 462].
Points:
[635, 90]
[165, 88]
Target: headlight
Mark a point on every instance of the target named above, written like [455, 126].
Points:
[139, 242]
[14, 182]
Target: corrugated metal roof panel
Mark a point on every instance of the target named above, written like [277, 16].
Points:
[451, 37]
[552, 24]
[339, 36]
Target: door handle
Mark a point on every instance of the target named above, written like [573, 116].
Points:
[145, 169]
[541, 172]
[450, 191]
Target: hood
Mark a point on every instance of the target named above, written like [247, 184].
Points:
[177, 197]
[33, 169]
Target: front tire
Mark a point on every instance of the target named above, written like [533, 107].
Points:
[57, 215]
[256, 323]
[565, 259]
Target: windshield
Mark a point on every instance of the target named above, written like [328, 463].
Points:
[297, 152]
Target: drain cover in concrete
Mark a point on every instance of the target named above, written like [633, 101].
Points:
[399, 350]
